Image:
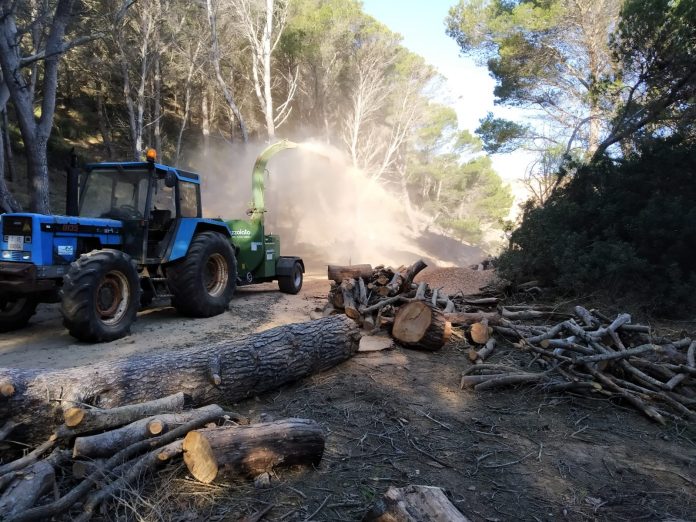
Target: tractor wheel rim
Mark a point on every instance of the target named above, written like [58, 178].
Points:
[112, 296]
[298, 278]
[216, 275]
[8, 307]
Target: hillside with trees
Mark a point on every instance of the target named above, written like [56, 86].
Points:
[114, 78]
[608, 92]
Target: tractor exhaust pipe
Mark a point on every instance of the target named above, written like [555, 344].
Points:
[73, 181]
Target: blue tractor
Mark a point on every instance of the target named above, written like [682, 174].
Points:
[133, 232]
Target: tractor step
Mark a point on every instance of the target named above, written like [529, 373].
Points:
[162, 281]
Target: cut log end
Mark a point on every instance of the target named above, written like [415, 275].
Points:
[7, 389]
[199, 457]
[73, 416]
[155, 427]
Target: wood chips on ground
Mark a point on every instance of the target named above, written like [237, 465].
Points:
[455, 279]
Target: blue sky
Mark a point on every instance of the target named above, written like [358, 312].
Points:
[469, 88]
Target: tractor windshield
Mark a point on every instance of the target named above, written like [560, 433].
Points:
[110, 193]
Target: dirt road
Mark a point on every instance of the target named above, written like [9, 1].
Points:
[45, 343]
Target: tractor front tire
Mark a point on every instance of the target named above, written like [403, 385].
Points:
[291, 284]
[202, 284]
[15, 312]
[100, 296]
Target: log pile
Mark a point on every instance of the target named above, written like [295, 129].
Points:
[418, 316]
[106, 451]
[592, 354]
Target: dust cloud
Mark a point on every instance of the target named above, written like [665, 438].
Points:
[323, 209]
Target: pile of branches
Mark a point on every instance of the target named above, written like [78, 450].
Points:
[98, 453]
[387, 301]
[590, 353]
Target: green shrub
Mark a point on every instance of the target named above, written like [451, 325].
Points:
[625, 228]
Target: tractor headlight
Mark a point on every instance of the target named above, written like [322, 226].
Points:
[26, 256]
[6, 254]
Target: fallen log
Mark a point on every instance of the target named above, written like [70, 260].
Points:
[339, 272]
[109, 442]
[480, 332]
[252, 450]
[419, 325]
[248, 366]
[414, 504]
[27, 487]
[81, 420]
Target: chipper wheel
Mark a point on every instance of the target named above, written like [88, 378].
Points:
[291, 284]
[100, 296]
[203, 282]
[15, 312]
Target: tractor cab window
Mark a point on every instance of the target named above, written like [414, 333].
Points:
[109, 193]
[188, 199]
[163, 198]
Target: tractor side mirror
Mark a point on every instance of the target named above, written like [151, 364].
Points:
[170, 179]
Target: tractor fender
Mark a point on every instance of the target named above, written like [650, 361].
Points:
[186, 229]
[285, 263]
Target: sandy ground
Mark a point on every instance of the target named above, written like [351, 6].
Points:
[398, 417]
[45, 343]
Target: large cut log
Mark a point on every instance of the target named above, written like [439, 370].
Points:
[414, 504]
[338, 272]
[109, 442]
[402, 279]
[27, 487]
[420, 325]
[248, 366]
[252, 450]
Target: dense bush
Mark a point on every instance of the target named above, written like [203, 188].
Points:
[624, 228]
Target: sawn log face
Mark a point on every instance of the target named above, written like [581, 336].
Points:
[248, 366]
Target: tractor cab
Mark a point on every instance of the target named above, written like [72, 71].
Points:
[148, 198]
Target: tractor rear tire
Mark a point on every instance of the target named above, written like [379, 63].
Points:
[16, 311]
[202, 284]
[291, 284]
[100, 296]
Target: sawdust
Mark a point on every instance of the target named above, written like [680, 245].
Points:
[454, 280]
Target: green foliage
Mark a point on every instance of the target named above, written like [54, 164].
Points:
[500, 135]
[627, 227]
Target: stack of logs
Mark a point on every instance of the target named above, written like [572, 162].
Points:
[386, 300]
[108, 450]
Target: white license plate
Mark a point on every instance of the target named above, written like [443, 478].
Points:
[15, 243]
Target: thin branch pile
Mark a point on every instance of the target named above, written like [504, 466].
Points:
[99, 453]
[593, 354]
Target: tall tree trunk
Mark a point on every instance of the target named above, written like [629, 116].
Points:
[35, 132]
[266, 49]
[157, 84]
[212, 21]
[104, 127]
[205, 124]
[7, 201]
[11, 172]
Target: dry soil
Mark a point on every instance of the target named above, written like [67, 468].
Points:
[398, 417]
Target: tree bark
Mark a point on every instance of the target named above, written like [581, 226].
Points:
[339, 272]
[414, 504]
[419, 325]
[248, 366]
[252, 450]
[27, 487]
[109, 442]
[403, 278]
